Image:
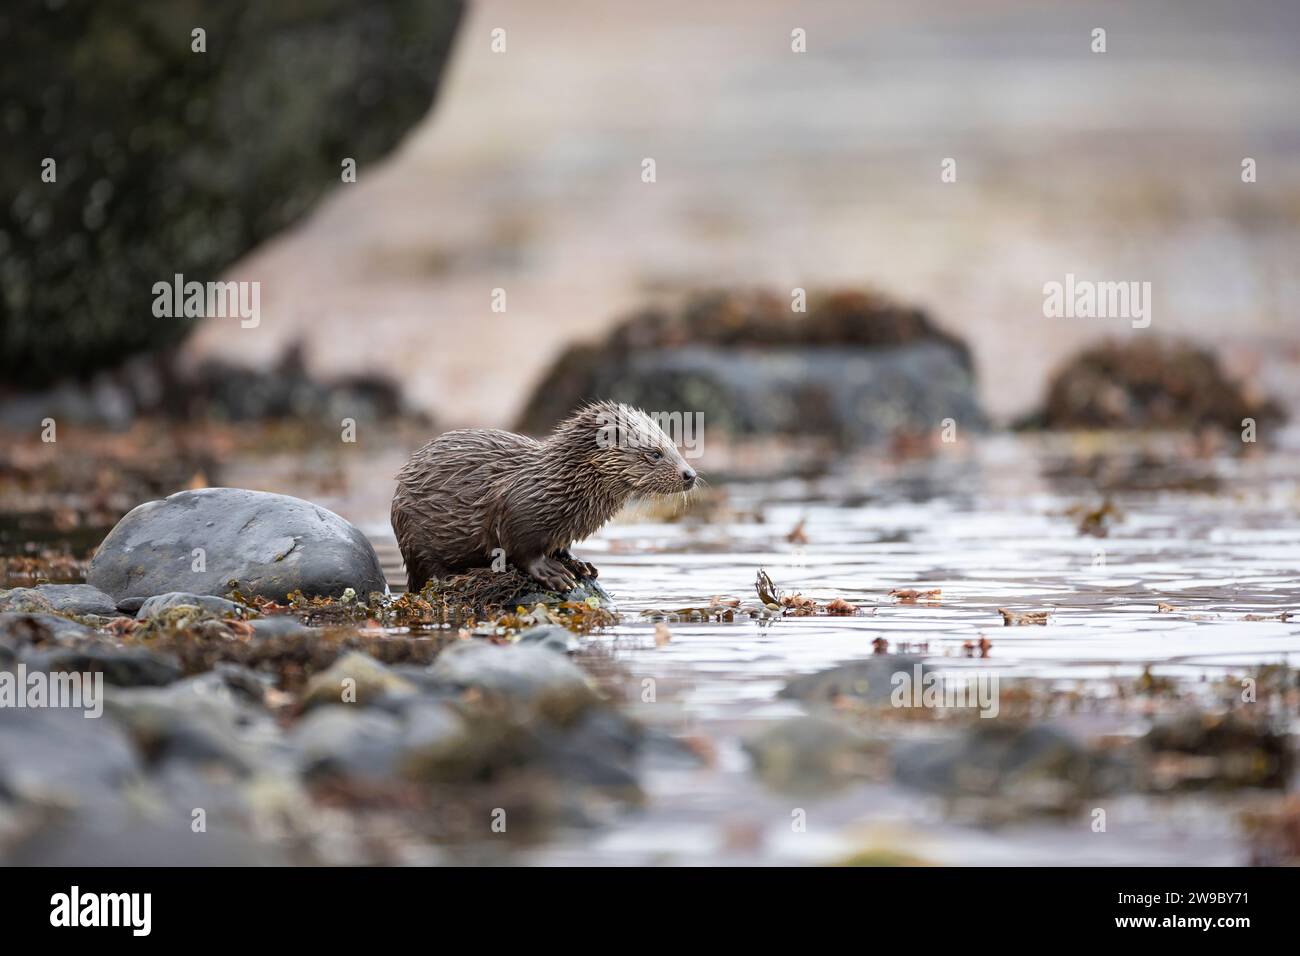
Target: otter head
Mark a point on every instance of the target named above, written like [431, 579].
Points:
[634, 453]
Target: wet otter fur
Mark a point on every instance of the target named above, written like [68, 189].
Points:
[471, 491]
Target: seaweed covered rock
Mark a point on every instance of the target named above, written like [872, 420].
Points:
[171, 156]
[1013, 766]
[855, 367]
[482, 589]
[871, 682]
[1217, 752]
[199, 542]
[203, 603]
[1150, 383]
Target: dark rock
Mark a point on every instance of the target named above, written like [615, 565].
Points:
[600, 749]
[25, 601]
[856, 368]
[174, 161]
[869, 681]
[206, 603]
[54, 644]
[61, 598]
[352, 741]
[57, 757]
[121, 666]
[1216, 752]
[586, 588]
[212, 719]
[270, 544]
[1015, 767]
[99, 838]
[1151, 383]
[481, 588]
[22, 630]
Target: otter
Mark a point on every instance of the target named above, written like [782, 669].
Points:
[470, 492]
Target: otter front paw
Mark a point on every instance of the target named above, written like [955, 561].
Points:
[551, 574]
[581, 568]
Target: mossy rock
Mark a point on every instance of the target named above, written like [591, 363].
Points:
[175, 161]
[1150, 384]
[856, 368]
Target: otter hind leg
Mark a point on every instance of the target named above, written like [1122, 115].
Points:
[421, 572]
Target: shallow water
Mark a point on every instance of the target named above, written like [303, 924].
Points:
[989, 530]
[1214, 539]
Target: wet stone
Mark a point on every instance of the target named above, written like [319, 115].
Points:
[870, 681]
[355, 679]
[268, 545]
[18, 630]
[552, 637]
[526, 675]
[60, 598]
[58, 757]
[353, 741]
[121, 666]
[218, 607]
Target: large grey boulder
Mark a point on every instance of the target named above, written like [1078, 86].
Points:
[171, 159]
[201, 541]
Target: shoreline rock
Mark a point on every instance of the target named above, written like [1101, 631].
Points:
[213, 540]
[856, 368]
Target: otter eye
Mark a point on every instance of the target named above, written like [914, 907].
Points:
[656, 455]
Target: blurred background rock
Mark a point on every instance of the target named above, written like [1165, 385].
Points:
[171, 159]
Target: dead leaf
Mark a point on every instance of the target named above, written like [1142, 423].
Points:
[1021, 618]
[841, 606]
[767, 590]
[911, 595]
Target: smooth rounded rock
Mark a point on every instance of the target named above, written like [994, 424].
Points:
[211, 540]
[159, 603]
[59, 598]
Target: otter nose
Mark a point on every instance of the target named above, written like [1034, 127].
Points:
[688, 478]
